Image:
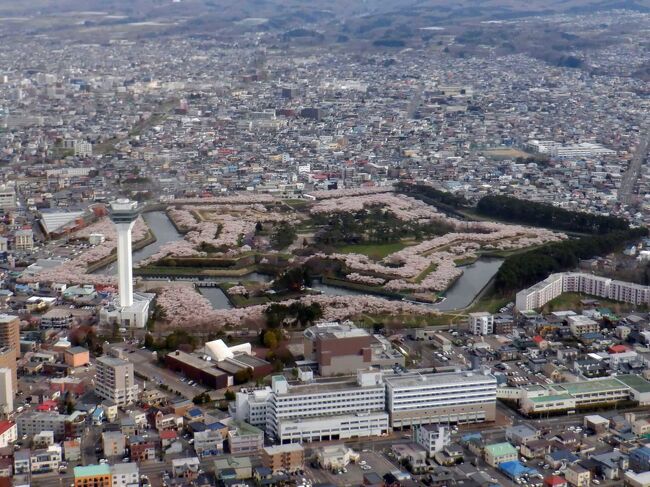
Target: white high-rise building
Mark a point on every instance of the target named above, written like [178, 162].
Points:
[7, 197]
[124, 213]
[466, 397]
[115, 381]
[6, 391]
[481, 323]
[333, 410]
[320, 411]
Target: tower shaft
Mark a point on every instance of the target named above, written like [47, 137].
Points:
[124, 263]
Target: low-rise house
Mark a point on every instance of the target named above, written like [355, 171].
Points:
[186, 468]
[335, 457]
[8, 433]
[558, 458]
[72, 450]
[413, 456]
[208, 442]
[577, 476]
[125, 475]
[231, 468]
[499, 453]
[22, 459]
[141, 449]
[521, 434]
[611, 465]
[536, 449]
[167, 438]
[450, 455]
[46, 460]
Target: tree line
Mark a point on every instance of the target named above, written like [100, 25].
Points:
[445, 200]
[522, 270]
[543, 215]
[373, 225]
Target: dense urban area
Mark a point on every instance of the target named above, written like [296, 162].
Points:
[380, 243]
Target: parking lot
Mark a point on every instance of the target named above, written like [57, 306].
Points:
[376, 462]
[146, 366]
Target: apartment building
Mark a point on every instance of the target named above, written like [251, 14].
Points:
[24, 239]
[550, 288]
[244, 438]
[115, 381]
[285, 458]
[93, 476]
[436, 398]
[579, 325]
[46, 459]
[125, 475]
[539, 294]
[114, 443]
[432, 437]
[9, 379]
[208, 442]
[10, 333]
[33, 422]
[481, 323]
[7, 198]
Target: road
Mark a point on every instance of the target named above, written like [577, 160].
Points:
[631, 176]
[415, 102]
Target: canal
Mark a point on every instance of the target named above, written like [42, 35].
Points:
[164, 231]
[475, 277]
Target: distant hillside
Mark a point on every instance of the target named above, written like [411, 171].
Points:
[340, 8]
[379, 23]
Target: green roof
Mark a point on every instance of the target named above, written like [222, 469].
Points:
[501, 449]
[245, 428]
[635, 382]
[592, 386]
[92, 470]
[557, 397]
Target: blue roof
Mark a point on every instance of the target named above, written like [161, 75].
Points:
[515, 469]
[195, 412]
[215, 426]
[558, 455]
[643, 452]
[592, 335]
[471, 436]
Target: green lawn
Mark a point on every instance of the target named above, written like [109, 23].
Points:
[374, 251]
[571, 301]
[490, 303]
[425, 273]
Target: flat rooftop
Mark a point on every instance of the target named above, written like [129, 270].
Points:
[439, 379]
[593, 386]
[635, 382]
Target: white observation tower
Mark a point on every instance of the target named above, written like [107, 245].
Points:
[124, 213]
